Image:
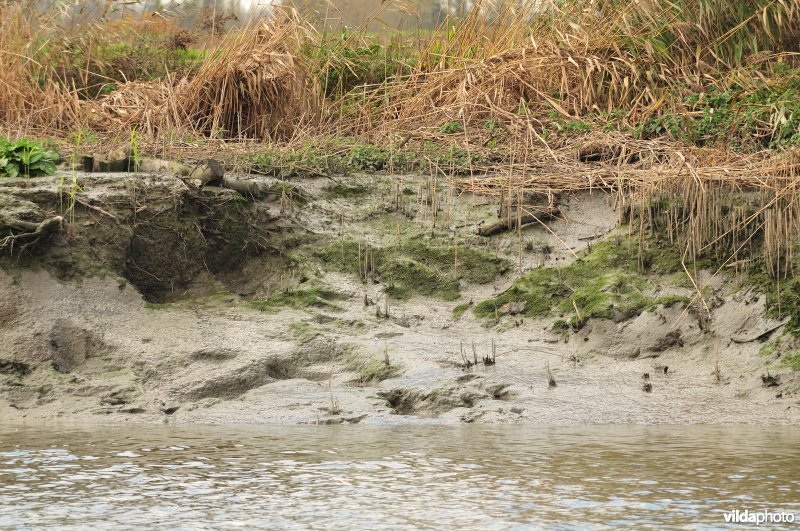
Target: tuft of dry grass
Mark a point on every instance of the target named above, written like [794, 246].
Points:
[25, 102]
[253, 85]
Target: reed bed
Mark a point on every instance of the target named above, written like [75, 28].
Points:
[252, 86]
[25, 102]
[527, 67]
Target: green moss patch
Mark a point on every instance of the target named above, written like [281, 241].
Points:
[460, 310]
[300, 299]
[340, 190]
[668, 301]
[377, 370]
[415, 267]
[603, 283]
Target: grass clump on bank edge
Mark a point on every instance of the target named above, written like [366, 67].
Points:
[603, 283]
[346, 64]
[300, 299]
[414, 267]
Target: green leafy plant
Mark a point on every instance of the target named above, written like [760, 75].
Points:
[450, 128]
[22, 157]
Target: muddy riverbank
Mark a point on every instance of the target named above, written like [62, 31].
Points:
[368, 300]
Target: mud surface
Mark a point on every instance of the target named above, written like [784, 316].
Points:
[313, 303]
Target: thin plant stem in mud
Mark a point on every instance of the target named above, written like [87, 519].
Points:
[491, 359]
[464, 359]
[578, 318]
[551, 381]
[334, 404]
[455, 257]
[519, 228]
[717, 371]
[73, 170]
[135, 154]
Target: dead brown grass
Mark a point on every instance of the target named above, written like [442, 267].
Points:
[253, 86]
[25, 103]
[521, 66]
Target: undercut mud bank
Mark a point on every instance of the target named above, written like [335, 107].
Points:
[376, 300]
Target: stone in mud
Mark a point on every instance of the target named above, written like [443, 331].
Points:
[114, 161]
[71, 345]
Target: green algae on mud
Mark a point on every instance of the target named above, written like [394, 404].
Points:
[299, 299]
[603, 282]
[415, 266]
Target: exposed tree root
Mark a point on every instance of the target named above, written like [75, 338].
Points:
[23, 235]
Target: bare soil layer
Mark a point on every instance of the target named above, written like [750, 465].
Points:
[360, 300]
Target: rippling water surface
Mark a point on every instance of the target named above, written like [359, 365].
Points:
[393, 477]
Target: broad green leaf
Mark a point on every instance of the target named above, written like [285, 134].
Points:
[12, 169]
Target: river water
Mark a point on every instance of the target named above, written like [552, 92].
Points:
[472, 477]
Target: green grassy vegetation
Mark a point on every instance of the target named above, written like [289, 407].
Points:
[738, 114]
[345, 62]
[667, 301]
[98, 65]
[23, 157]
[376, 370]
[743, 115]
[341, 156]
[793, 362]
[603, 283]
[416, 266]
[300, 299]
